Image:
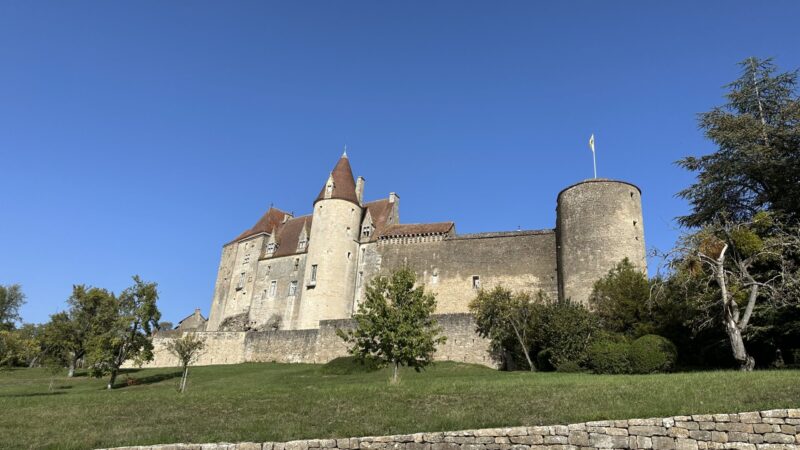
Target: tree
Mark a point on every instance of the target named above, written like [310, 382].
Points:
[187, 349]
[394, 324]
[11, 300]
[126, 331]
[621, 301]
[502, 315]
[730, 266]
[68, 333]
[757, 164]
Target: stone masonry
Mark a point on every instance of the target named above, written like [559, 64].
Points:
[777, 429]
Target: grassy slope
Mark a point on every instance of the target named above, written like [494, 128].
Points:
[261, 402]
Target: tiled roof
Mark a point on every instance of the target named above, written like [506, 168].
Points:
[271, 219]
[344, 186]
[288, 235]
[417, 229]
[379, 211]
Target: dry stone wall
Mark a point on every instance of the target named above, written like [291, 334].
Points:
[766, 430]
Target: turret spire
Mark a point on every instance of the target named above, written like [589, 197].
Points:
[340, 184]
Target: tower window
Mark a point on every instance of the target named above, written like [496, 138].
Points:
[271, 247]
[293, 288]
[435, 277]
[296, 264]
[348, 256]
[476, 282]
[240, 284]
[359, 279]
[366, 231]
[273, 288]
[313, 280]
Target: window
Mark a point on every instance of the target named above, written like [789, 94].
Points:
[313, 280]
[273, 288]
[359, 279]
[366, 231]
[435, 276]
[329, 188]
[240, 284]
[246, 259]
[296, 264]
[476, 282]
[301, 245]
[293, 288]
[348, 256]
[271, 248]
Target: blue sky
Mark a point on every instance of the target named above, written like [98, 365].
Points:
[138, 137]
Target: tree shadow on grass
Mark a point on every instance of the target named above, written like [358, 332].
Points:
[157, 378]
[32, 394]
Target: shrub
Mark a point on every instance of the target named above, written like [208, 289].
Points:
[652, 353]
[543, 361]
[349, 365]
[609, 354]
[570, 367]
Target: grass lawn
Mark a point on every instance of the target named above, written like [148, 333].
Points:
[263, 402]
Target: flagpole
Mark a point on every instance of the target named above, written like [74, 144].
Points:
[594, 162]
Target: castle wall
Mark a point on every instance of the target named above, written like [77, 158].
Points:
[236, 280]
[315, 345]
[523, 260]
[599, 223]
[265, 306]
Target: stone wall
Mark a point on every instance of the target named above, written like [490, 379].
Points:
[315, 345]
[765, 430]
[517, 260]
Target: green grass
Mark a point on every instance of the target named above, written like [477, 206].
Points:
[263, 402]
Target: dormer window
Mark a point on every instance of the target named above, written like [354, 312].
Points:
[271, 247]
[329, 188]
[366, 231]
[301, 245]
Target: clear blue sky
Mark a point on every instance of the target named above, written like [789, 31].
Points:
[138, 137]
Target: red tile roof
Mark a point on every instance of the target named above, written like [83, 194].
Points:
[344, 186]
[288, 235]
[417, 229]
[271, 219]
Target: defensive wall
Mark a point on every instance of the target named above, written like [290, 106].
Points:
[765, 430]
[318, 345]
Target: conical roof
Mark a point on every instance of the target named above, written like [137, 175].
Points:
[344, 186]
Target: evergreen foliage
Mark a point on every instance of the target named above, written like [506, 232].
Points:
[652, 353]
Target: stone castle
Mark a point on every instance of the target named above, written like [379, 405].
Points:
[290, 273]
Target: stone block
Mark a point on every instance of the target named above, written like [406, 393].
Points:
[502, 440]
[735, 436]
[773, 420]
[578, 438]
[740, 446]
[762, 428]
[719, 436]
[644, 422]
[485, 440]
[433, 437]
[668, 422]
[516, 431]
[778, 438]
[266, 446]
[640, 442]
[663, 443]
[248, 446]
[296, 445]
[700, 435]
[559, 430]
[539, 430]
[445, 446]
[313, 443]
[735, 426]
[576, 427]
[788, 429]
[488, 432]
[754, 438]
[608, 430]
[600, 423]
[702, 417]
[678, 432]
[685, 444]
[750, 417]
[647, 430]
[721, 418]
[794, 413]
[711, 425]
[556, 440]
[688, 425]
[599, 440]
[792, 421]
[621, 424]
[527, 440]
[343, 444]
[775, 413]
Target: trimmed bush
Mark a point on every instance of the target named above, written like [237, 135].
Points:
[610, 354]
[652, 353]
[349, 365]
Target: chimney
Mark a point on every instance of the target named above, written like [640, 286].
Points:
[393, 197]
[360, 190]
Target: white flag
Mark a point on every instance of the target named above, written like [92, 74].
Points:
[591, 142]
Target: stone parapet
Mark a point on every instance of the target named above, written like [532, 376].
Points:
[777, 429]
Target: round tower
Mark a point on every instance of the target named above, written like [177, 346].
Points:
[598, 224]
[329, 279]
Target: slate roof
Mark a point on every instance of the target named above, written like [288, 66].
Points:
[379, 211]
[288, 235]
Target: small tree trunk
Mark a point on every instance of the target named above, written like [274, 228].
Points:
[73, 362]
[184, 377]
[395, 372]
[746, 362]
[112, 379]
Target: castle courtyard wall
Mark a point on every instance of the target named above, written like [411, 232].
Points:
[520, 260]
[314, 345]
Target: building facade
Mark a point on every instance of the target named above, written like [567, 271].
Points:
[290, 273]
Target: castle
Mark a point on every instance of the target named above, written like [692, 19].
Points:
[291, 273]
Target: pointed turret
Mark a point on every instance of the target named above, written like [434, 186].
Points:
[341, 183]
